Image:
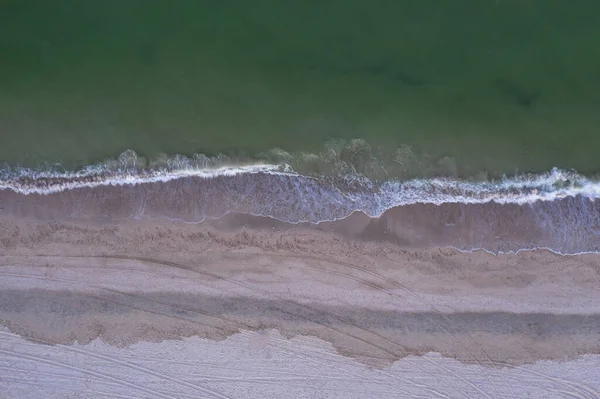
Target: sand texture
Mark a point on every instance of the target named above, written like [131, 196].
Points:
[245, 307]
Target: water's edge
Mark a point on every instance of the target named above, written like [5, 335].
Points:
[557, 210]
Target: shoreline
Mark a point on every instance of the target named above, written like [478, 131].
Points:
[500, 218]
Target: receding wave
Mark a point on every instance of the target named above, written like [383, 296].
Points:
[558, 209]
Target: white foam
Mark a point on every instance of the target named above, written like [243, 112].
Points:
[45, 183]
[276, 191]
[522, 189]
[129, 169]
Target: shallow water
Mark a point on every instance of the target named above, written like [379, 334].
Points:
[496, 86]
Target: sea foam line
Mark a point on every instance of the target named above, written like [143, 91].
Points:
[524, 249]
[295, 198]
[45, 183]
[126, 171]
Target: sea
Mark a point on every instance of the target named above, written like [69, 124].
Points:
[477, 121]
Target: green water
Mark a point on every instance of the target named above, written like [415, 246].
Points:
[498, 85]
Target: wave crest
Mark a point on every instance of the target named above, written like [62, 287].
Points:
[130, 169]
[559, 209]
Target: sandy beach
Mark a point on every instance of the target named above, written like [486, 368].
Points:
[123, 309]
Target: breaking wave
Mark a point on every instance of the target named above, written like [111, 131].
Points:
[519, 189]
[559, 210]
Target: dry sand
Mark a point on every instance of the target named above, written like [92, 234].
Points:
[246, 307]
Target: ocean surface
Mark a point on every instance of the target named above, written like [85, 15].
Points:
[478, 120]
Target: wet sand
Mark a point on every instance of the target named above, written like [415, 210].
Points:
[409, 216]
[142, 295]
